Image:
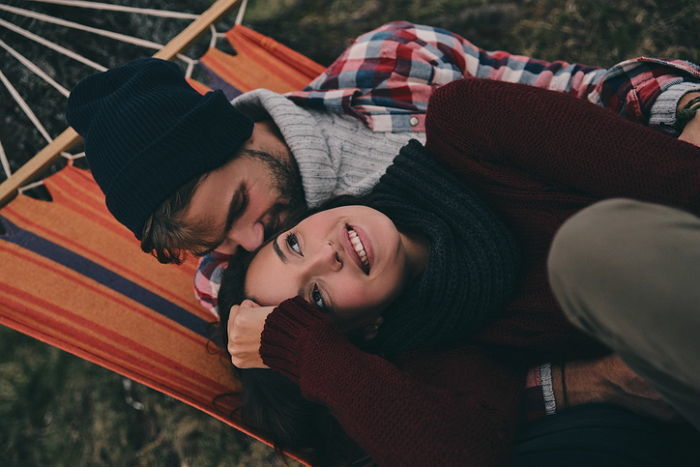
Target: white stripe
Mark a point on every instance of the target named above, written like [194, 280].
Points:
[51, 45]
[82, 27]
[23, 105]
[128, 9]
[31, 66]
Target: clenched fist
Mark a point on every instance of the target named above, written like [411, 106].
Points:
[245, 325]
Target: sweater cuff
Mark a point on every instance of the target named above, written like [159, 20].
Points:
[663, 112]
[286, 330]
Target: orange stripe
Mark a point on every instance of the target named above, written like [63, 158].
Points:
[102, 218]
[147, 356]
[78, 184]
[112, 265]
[303, 64]
[67, 190]
[100, 290]
[130, 364]
[287, 77]
[197, 86]
[85, 184]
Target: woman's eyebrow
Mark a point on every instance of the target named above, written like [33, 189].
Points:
[279, 251]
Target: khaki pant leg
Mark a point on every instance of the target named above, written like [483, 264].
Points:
[628, 273]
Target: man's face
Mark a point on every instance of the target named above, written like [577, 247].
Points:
[243, 202]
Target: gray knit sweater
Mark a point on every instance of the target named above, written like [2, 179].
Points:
[336, 153]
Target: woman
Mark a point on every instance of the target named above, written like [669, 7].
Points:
[533, 169]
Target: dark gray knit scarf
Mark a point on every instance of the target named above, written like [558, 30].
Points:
[471, 269]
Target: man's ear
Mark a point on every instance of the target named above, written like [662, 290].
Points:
[372, 329]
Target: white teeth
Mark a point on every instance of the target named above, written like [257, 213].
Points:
[358, 246]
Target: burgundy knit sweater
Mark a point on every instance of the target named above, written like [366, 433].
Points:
[537, 157]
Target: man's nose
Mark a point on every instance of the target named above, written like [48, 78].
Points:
[326, 259]
[247, 237]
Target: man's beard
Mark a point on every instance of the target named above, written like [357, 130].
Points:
[287, 180]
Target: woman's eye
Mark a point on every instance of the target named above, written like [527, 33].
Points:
[293, 243]
[317, 298]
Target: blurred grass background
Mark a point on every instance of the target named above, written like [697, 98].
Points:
[56, 409]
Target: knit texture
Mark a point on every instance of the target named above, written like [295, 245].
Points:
[451, 408]
[472, 261]
[147, 133]
[663, 112]
[336, 154]
[537, 158]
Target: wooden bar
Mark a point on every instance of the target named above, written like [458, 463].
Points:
[44, 158]
[37, 164]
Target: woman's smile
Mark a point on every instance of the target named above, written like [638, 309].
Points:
[357, 246]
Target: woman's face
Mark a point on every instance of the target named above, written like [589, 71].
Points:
[350, 261]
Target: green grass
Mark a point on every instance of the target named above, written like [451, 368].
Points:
[59, 410]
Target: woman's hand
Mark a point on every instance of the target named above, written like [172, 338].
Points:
[245, 325]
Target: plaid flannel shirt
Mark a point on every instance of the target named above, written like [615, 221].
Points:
[387, 76]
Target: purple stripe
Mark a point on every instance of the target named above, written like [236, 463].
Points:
[215, 82]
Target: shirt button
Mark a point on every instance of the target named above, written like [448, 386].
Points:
[413, 121]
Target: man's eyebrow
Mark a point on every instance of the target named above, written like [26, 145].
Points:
[235, 207]
[238, 203]
[278, 250]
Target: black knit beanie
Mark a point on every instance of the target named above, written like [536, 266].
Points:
[147, 133]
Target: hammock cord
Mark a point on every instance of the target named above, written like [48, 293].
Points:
[82, 27]
[53, 46]
[241, 12]
[35, 69]
[4, 162]
[125, 9]
[25, 108]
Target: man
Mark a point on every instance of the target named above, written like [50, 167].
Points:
[336, 136]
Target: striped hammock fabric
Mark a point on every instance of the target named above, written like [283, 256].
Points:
[73, 277]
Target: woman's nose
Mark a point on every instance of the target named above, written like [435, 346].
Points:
[326, 259]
